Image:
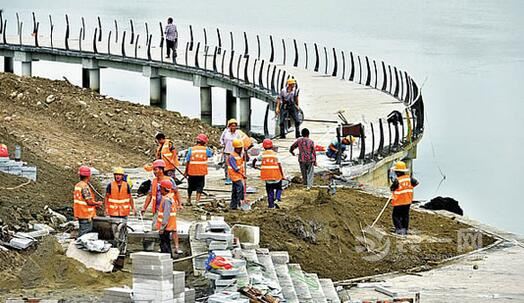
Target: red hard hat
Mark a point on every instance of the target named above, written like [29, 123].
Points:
[159, 163]
[202, 138]
[167, 184]
[267, 143]
[84, 171]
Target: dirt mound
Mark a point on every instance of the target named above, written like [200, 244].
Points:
[322, 233]
[48, 267]
[69, 125]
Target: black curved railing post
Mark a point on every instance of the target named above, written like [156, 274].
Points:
[215, 59]
[223, 59]
[123, 44]
[401, 79]
[295, 63]
[186, 53]
[317, 60]
[80, 39]
[277, 88]
[206, 50]
[352, 70]
[246, 46]
[376, 74]
[335, 63]
[238, 66]
[149, 46]
[1, 22]
[146, 25]
[36, 34]
[385, 78]
[219, 38]
[397, 87]
[51, 29]
[132, 39]
[254, 72]
[231, 40]
[83, 29]
[368, 73]
[67, 33]
[258, 47]
[284, 52]
[205, 37]
[381, 141]
[99, 29]
[326, 60]
[95, 50]
[34, 22]
[273, 79]
[266, 123]
[390, 79]
[389, 138]
[162, 42]
[283, 80]
[246, 65]
[268, 74]
[197, 65]
[272, 54]
[136, 45]
[4, 32]
[372, 141]
[191, 38]
[109, 42]
[307, 57]
[260, 82]
[343, 66]
[359, 70]
[21, 26]
[408, 88]
[362, 143]
[116, 31]
[232, 56]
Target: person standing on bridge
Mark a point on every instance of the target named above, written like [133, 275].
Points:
[402, 197]
[171, 34]
[287, 107]
[307, 157]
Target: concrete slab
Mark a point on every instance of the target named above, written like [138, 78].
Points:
[247, 233]
[98, 261]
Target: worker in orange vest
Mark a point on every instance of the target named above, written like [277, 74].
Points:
[196, 167]
[84, 207]
[402, 188]
[166, 151]
[166, 221]
[237, 173]
[271, 172]
[118, 200]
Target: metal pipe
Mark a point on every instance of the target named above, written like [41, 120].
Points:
[273, 78]
[372, 141]
[390, 79]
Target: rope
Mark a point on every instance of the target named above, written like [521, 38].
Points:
[18, 186]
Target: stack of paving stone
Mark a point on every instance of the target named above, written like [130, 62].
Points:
[153, 278]
[17, 168]
[280, 260]
[329, 290]
[315, 288]
[299, 282]
[117, 295]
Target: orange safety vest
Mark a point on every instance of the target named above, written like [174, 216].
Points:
[171, 223]
[198, 162]
[118, 202]
[403, 195]
[233, 175]
[270, 170]
[81, 209]
[154, 189]
[170, 157]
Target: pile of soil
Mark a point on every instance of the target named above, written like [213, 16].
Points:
[323, 234]
[48, 268]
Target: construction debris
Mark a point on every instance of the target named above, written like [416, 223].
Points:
[99, 261]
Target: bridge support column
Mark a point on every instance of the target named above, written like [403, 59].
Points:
[157, 87]
[231, 105]
[26, 60]
[206, 107]
[91, 74]
[245, 108]
[8, 65]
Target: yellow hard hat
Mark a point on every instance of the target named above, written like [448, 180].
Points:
[291, 81]
[237, 143]
[350, 139]
[118, 171]
[400, 166]
[232, 121]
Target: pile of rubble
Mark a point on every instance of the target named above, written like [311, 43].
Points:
[239, 270]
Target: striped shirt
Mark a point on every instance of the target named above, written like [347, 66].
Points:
[306, 150]
[171, 32]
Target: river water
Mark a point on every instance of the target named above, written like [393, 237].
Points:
[468, 56]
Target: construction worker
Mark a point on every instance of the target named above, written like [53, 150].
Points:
[196, 167]
[84, 207]
[402, 197]
[335, 146]
[226, 140]
[3, 151]
[237, 173]
[287, 106]
[166, 151]
[118, 200]
[271, 172]
[166, 221]
[154, 196]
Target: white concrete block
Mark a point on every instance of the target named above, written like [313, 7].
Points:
[98, 261]
[280, 257]
[247, 233]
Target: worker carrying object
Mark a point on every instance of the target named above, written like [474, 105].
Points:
[287, 107]
[166, 221]
[271, 172]
[402, 197]
[118, 199]
[335, 146]
[84, 207]
[154, 196]
[166, 151]
[237, 173]
[196, 167]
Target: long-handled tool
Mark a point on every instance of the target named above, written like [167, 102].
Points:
[382, 211]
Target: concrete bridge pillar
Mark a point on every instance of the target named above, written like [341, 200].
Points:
[244, 99]
[91, 74]
[206, 107]
[157, 87]
[231, 105]
[26, 60]
[8, 65]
